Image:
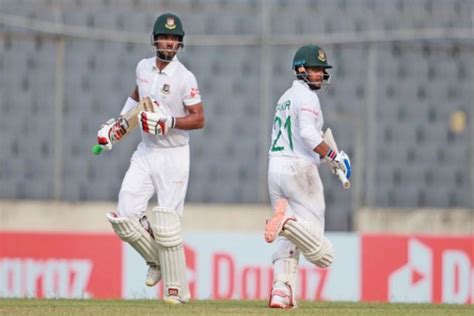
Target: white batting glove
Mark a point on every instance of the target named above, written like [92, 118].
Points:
[110, 132]
[156, 123]
[339, 161]
[103, 137]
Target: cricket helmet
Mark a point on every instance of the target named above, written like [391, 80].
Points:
[168, 24]
[310, 56]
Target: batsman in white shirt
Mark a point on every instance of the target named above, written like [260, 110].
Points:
[161, 161]
[295, 187]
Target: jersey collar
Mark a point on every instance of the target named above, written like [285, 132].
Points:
[169, 69]
[302, 83]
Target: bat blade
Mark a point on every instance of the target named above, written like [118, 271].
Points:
[328, 138]
[128, 122]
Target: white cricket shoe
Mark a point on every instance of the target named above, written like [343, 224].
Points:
[153, 276]
[275, 224]
[174, 297]
[174, 300]
[281, 296]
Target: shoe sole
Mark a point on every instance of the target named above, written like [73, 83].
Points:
[275, 224]
[277, 305]
[151, 284]
[173, 300]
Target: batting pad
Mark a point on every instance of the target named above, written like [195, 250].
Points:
[166, 226]
[328, 254]
[285, 270]
[130, 231]
[308, 237]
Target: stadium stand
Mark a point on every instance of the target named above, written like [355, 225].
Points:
[419, 163]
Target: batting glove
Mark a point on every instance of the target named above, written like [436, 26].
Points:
[156, 123]
[339, 160]
[111, 132]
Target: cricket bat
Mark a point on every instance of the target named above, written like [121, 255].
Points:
[328, 138]
[128, 122]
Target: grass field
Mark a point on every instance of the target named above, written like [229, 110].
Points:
[150, 307]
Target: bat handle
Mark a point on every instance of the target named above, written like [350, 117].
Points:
[342, 176]
[97, 149]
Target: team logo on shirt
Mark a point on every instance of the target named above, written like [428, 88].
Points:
[194, 92]
[322, 55]
[165, 89]
[170, 25]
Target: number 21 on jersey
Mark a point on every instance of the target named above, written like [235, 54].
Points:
[282, 124]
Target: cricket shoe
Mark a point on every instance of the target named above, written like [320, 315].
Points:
[275, 224]
[153, 275]
[174, 298]
[281, 297]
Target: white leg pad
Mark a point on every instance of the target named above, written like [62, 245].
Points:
[166, 226]
[285, 261]
[130, 231]
[284, 283]
[328, 254]
[308, 237]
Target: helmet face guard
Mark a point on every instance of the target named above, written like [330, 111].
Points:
[311, 56]
[163, 51]
[167, 25]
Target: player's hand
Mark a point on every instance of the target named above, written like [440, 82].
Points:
[344, 163]
[103, 135]
[339, 161]
[155, 123]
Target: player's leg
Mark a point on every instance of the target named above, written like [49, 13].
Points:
[308, 236]
[167, 228]
[285, 269]
[286, 257]
[299, 211]
[171, 183]
[130, 224]
[306, 207]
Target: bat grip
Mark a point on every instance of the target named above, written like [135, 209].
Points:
[342, 176]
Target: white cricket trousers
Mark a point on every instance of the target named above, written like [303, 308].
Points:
[298, 181]
[161, 170]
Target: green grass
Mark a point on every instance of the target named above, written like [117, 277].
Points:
[150, 307]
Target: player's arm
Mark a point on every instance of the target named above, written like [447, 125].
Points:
[193, 120]
[113, 130]
[160, 122]
[334, 158]
[307, 116]
[322, 149]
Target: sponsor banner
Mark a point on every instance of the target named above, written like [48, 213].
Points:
[238, 266]
[395, 268]
[49, 265]
[399, 268]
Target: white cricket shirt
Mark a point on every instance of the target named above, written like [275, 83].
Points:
[298, 123]
[174, 87]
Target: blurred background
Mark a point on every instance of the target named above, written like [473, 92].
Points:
[400, 100]
[400, 104]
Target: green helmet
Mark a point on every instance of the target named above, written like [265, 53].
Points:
[310, 56]
[168, 24]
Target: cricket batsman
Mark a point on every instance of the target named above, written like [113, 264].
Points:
[161, 161]
[295, 187]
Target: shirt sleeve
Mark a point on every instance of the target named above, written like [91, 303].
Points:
[191, 94]
[308, 117]
[138, 70]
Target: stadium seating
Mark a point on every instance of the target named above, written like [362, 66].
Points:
[419, 163]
